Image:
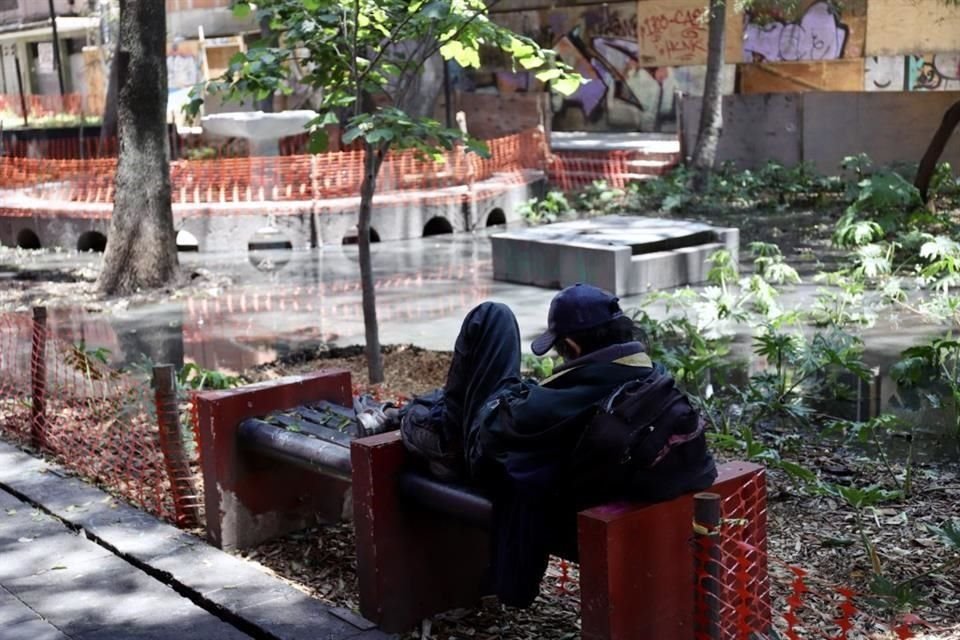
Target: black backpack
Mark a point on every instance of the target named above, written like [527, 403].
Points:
[645, 441]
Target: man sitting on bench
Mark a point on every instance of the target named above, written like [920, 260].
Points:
[609, 424]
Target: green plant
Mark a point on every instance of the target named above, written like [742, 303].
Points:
[93, 363]
[550, 208]
[599, 198]
[193, 377]
[540, 367]
[873, 432]
[859, 499]
[200, 153]
[929, 372]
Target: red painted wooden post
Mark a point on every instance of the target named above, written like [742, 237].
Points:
[185, 505]
[38, 379]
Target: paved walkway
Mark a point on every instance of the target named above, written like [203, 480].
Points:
[76, 564]
[55, 584]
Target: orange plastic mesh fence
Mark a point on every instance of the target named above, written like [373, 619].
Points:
[62, 398]
[574, 170]
[281, 178]
[732, 587]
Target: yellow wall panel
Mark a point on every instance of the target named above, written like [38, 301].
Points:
[905, 27]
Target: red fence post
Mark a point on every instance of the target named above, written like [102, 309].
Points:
[706, 529]
[171, 444]
[38, 379]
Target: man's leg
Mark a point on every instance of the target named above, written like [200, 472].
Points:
[486, 358]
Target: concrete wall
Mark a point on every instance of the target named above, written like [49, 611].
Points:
[823, 128]
[231, 230]
[14, 11]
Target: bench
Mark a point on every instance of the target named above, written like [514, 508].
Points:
[261, 481]
[423, 548]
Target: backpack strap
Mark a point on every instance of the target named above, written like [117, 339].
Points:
[635, 360]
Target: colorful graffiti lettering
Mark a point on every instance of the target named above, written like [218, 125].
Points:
[818, 35]
[939, 72]
[623, 90]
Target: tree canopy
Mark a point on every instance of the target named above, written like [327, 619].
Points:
[366, 56]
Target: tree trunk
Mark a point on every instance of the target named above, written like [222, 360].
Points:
[141, 246]
[928, 165]
[372, 159]
[108, 125]
[711, 113]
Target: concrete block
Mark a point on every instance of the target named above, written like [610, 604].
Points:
[622, 254]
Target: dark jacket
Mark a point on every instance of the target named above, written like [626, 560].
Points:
[527, 448]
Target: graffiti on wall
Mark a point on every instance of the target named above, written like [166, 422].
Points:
[934, 72]
[818, 34]
[602, 44]
[672, 35]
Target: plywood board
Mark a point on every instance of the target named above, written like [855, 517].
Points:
[798, 77]
[94, 74]
[675, 32]
[905, 27]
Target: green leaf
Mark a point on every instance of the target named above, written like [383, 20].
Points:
[241, 10]
[798, 471]
[319, 141]
[566, 86]
[478, 147]
[378, 135]
[530, 62]
[548, 74]
[949, 532]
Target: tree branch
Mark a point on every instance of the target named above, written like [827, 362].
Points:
[460, 29]
[390, 39]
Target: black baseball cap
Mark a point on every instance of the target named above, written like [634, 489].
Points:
[577, 308]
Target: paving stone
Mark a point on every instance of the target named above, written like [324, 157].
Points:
[206, 570]
[36, 629]
[38, 552]
[136, 534]
[12, 610]
[374, 634]
[201, 626]
[353, 618]
[82, 590]
[297, 616]
[99, 593]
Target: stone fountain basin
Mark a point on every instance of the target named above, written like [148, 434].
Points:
[258, 126]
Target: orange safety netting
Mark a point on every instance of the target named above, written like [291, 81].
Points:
[574, 170]
[282, 178]
[61, 397]
[732, 586]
